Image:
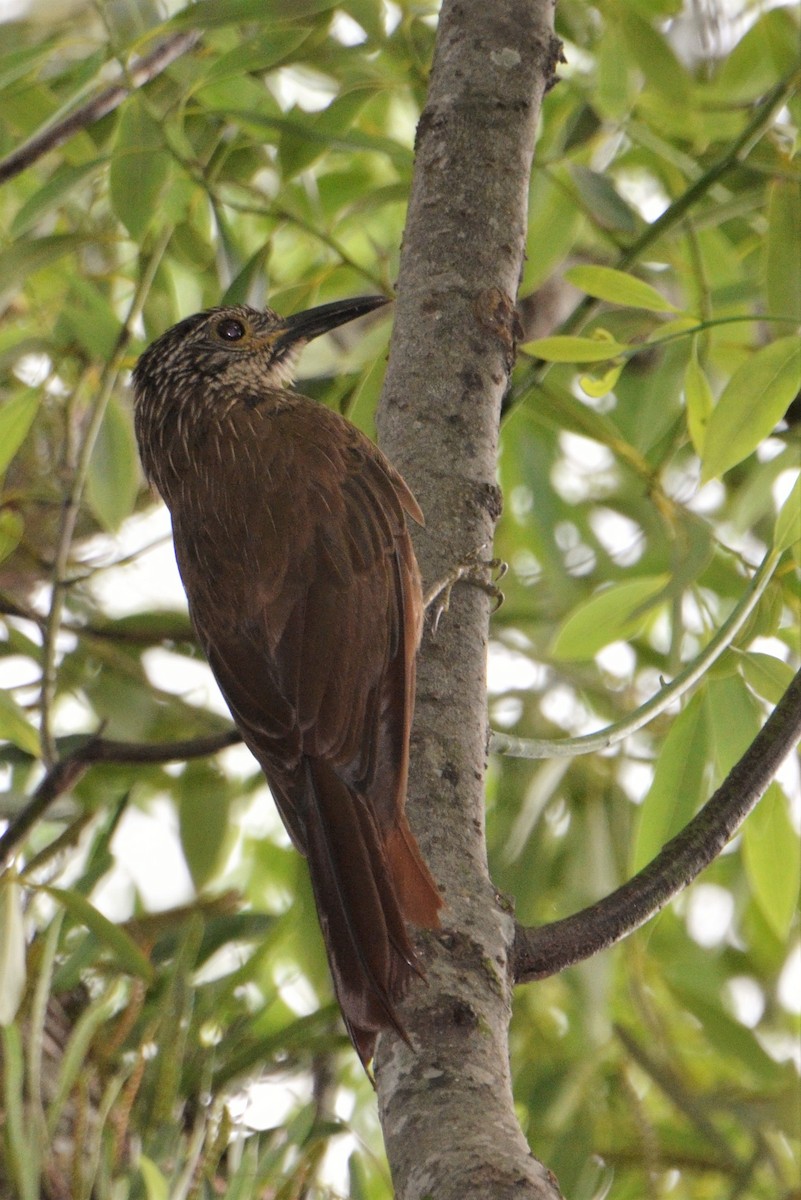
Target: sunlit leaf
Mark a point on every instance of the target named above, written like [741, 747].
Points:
[767, 51]
[21, 259]
[22, 1165]
[657, 60]
[208, 13]
[603, 202]
[768, 676]
[16, 417]
[788, 521]
[51, 195]
[575, 349]
[753, 402]
[618, 287]
[12, 528]
[679, 786]
[614, 614]
[600, 385]
[139, 169]
[115, 939]
[114, 476]
[15, 726]
[699, 400]
[89, 319]
[297, 151]
[772, 854]
[203, 806]
[13, 972]
[734, 716]
[782, 276]
[156, 1185]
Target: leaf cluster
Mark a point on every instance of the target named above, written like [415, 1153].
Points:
[649, 463]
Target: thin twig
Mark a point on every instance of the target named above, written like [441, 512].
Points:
[693, 1106]
[176, 626]
[72, 501]
[141, 72]
[547, 950]
[672, 216]
[591, 743]
[58, 780]
[64, 775]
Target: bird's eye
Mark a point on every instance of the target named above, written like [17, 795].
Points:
[231, 330]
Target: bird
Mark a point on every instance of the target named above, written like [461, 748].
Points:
[291, 536]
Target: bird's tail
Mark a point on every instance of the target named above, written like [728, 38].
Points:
[365, 886]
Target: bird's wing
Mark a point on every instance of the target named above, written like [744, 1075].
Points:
[313, 638]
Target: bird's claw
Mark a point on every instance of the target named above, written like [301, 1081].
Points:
[483, 573]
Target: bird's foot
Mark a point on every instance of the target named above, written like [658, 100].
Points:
[484, 573]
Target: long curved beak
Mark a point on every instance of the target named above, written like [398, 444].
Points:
[303, 326]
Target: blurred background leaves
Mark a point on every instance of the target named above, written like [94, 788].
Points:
[272, 160]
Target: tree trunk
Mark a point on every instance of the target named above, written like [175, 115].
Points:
[446, 1106]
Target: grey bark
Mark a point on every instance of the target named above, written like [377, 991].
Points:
[446, 1105]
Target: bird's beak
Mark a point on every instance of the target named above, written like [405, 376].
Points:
[303, 326]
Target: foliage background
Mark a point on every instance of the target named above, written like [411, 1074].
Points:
[273, 160]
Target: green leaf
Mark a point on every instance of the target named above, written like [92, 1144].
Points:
[680, 781]
[575, 349]
[51, 195]
[88, 318]
[554, 224]
[614, 614]
[139, 169]
[114, 477]
[21, 259]
[699, 401]
[13, 973]
[788, 522]
[782, 274]
[208, 13]
[256, 55]
[772, 856]
[657, 61]
[12, 528]
[669, 330]
[603, 203]
[753, 402]
[357, 1178]
[115, 939]
[560, 409]
[297, 152]
[349, 141]
[618, 287]
[16, 417]
[601, 385]
[156, 1186]
[734, 716]
[768, 676]
[203, 809]
[22, 1156]
[15, 726]
[768, 51]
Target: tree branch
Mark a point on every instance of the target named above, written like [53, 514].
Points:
[64, 775]
[451, 352]
[763, 116]
[591, 743]
[75, 489]
[547, 950]
[142, 71]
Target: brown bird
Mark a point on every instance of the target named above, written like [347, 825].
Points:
[290, 535]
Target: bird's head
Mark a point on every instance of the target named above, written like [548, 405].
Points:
[206, 365]
[236, 347]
